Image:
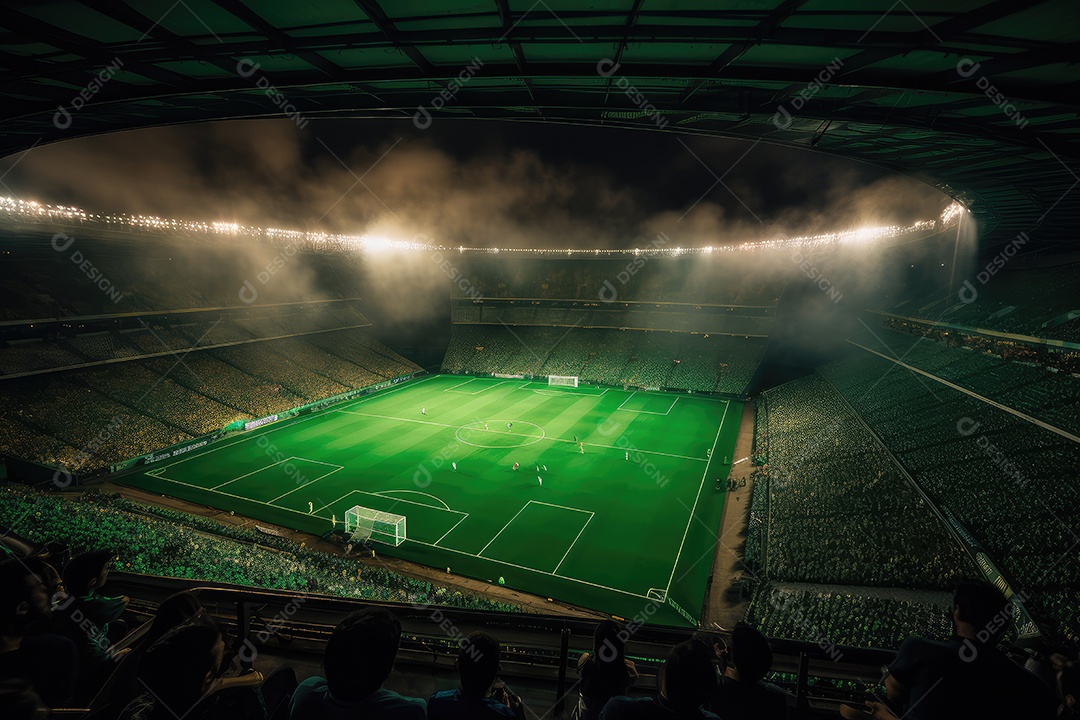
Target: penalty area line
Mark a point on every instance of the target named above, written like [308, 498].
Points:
[436, 543]
[418, 542]
[530, 569]
[481, 391]
[300, 487]
[647, 412]
[241, 477]
[481, 553]
[589, 520]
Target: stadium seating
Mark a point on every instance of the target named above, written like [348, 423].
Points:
[831, 616]
[1011, 483]
[678, 361]
[1024, 383]
[160, 541]
[839, 511]
[832, 519]
[717, 280]
[91, 418]
[824, 522]
[640, 316]
[1020, 301]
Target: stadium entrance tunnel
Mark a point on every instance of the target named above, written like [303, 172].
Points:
[498, 434]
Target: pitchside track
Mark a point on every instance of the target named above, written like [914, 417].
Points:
[632, 537]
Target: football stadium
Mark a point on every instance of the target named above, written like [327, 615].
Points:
[555, 360]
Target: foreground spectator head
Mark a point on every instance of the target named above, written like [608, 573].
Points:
[180, 668]
[87, 573]
[18, 701]
[605, 672]
[478, 664]
[688, 675]
[967, 675]
[174, 611]
[608, 647]
[1070, 690]
[24, 600]
[750, 653]
[361, 652]
[48, 574]
[981, 606]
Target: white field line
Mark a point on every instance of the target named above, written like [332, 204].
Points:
[286, 424]
[480, 554]
[460, 384]
[504, 432]
[355, 403]
[386, 493]
[396, 500]
[241, 477]
[541, 572]
[646, 412]
[566, 392]
[419, 542]
[561, 507]
[449, 531]
[589, 520]
[339, 467]
[690, 520]
[317, 462]
[478, 392]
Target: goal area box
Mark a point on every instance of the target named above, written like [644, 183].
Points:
[366, 524]
[562, 381]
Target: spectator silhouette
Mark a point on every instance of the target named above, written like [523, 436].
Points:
[18, 701]
[49, 663]
[358, 659]
[605, 672]
[740, 692]
[1069, 685]
[180, 673]
[965, 676]
[179, 608]
[175, 610]
[685, 683]
[54, 586]
[177, 672]
[90, 619]
[481, 695]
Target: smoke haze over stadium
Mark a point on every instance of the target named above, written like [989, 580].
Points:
[473, 184]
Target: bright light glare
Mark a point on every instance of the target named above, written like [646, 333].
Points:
[952, 213]
[864, 234]
[323, 242]
[376, 244]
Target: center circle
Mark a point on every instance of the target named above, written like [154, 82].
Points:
[496, 436]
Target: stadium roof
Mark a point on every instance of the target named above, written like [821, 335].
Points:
[978, 97]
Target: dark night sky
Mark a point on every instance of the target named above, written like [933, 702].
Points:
[471, 183]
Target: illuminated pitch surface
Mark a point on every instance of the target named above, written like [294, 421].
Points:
[602, 532]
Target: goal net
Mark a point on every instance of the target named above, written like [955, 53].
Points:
[563, 380]
[366, 524]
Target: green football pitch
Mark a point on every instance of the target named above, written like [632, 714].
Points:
[627, 527]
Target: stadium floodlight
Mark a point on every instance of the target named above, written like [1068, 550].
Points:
[562, 380]
[376, 244]
[366, 524]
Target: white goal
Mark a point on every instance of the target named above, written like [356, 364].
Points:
[562, 380]
[366, 524]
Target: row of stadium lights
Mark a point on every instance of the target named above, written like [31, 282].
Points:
[30, 209]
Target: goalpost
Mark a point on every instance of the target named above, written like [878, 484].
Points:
[366, 524]
[562, 380]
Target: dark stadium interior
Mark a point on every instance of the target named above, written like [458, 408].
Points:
[854, 220]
